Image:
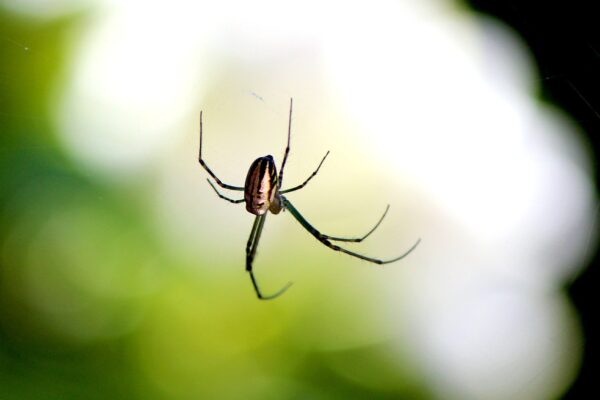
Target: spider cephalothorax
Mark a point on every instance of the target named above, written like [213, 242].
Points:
[262, 193]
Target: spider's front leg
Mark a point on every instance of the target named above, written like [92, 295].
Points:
[326, 239]
[205, 166]
[360, 239]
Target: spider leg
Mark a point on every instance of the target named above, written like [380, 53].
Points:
[224, 197]
[251, 247]
[219, 182]
[360, 239]
[324, 239]
[309, 178]
[287, 149]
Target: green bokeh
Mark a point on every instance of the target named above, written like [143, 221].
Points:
[94, 304]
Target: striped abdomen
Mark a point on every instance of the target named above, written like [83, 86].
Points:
[261, 185]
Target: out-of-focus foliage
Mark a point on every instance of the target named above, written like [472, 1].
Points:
[94, 304]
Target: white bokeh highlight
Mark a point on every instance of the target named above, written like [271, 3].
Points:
[45, 9]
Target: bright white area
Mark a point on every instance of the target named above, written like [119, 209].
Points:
[438, 101]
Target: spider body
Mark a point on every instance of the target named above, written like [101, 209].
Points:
[263, 192]
[260, 189]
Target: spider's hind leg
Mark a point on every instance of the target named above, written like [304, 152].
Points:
[251, 247]
[224, 197]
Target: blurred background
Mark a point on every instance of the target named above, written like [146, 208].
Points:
[122, 273]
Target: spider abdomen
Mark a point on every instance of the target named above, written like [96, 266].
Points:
[261, 185]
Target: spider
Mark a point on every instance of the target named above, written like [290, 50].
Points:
[262, 193]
